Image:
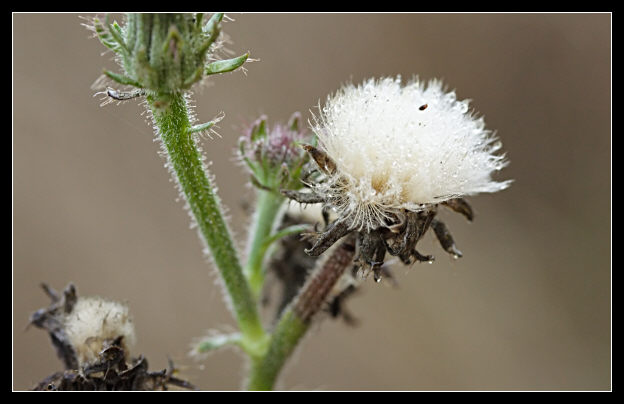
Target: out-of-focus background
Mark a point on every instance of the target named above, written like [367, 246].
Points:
[527, 307]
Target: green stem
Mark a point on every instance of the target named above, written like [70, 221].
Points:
[296, 318]
[267, 211]
[174, 128]
[287, 334]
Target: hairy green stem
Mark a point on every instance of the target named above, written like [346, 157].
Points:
[287, 334]
[296, 318]
[171, 118]
[268, 206]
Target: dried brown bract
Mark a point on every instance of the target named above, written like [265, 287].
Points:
[399, 234]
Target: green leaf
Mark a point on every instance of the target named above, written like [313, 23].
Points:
[104, 36]
[115, 32]
[212, 26]
[287, 231]
[121, 79]
[217, 341]
[228, 65]
[203, 126]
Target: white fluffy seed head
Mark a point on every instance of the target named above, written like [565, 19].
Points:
[94, 322]
[403, 147]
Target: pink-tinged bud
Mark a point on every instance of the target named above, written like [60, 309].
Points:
[274, 154]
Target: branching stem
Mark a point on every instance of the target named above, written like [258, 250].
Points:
[296, 318]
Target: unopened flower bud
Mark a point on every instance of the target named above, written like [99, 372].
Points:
[274, 154]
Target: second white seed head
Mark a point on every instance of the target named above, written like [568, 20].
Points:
[93, 323]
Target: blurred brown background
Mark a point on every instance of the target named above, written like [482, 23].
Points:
[528, 307]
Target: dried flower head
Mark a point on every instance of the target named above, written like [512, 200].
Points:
[388, 154]
[92, 336]
[83, 327]
[95, 323]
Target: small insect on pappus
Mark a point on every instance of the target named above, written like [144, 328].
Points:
[423, 107]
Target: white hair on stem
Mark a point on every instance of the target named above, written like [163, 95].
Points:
[402, 147]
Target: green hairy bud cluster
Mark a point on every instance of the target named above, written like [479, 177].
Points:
[164, 53]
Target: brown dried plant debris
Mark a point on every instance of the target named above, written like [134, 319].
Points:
[95, 352]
